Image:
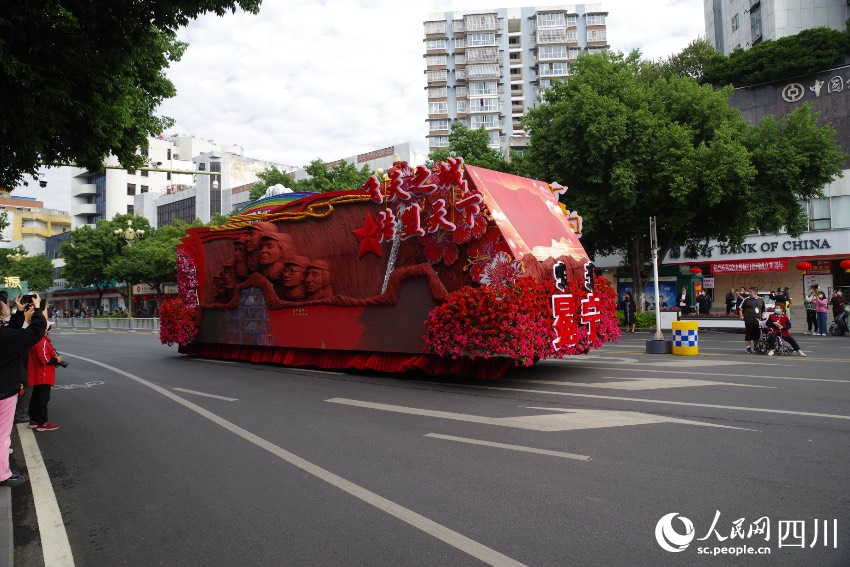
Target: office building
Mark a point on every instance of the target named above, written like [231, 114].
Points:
[29, 223]
[487, 67]
[740, 24]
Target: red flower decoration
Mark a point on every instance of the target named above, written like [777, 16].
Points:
[482, 251]
[368, 236]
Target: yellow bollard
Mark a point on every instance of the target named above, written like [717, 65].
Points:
[685, 338]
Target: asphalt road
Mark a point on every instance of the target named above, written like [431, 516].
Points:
[571, 462]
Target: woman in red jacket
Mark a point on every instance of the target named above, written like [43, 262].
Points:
[778, 324]
[41, 374]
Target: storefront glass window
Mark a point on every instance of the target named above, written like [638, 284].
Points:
[841, 212]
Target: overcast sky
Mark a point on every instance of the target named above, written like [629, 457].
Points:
[307, 79]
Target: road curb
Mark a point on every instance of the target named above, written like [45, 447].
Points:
[7, 550]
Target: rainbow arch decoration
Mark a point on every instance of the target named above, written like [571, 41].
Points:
[268, 204]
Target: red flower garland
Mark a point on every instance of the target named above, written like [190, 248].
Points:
[177, 323]
[516, 322]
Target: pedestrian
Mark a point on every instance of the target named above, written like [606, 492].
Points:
[685, 301]
[16, 321]
[779, 297]
[730, 301]
[14, 346]
[41, 374]
[778, 324]
[629, 312]
[751, 312]
[704, 303]
[811, 311]
[822, 308]
[837, 301]
[740, 296]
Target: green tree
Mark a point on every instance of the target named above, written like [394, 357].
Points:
[81, 80]
[342, 176]
[631, 144]
[37, 271]
[151, 260]
[269, 177]
[89, 250]
[473, 146]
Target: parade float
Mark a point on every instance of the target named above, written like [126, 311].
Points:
[457, 270]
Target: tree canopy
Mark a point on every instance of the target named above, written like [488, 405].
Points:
[89, 251]
[36, 270]
[631, 143]
[473, 146]
[341, 176]
[809, 51]
[81, 80]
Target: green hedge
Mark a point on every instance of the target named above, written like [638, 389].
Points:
[642, 320]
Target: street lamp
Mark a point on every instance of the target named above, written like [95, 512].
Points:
[17, 256]
[129, 235]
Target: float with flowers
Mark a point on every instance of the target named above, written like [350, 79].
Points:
[457, 270]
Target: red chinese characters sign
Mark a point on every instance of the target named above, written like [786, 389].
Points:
[564, 311]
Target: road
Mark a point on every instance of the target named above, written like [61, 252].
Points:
[167, 460]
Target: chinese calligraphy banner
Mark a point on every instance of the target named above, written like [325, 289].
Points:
[750, 266]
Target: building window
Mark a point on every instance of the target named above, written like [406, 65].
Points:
[439, 141]
[573, 53]
[484, 121]
[551, 20]
[436, 59]
[460, 92]
[435, 27]
[460, 59]
[572, 36]
[481, 39]
[819, 216]
[461, 106]
[735, 22]
[552, 69]
[438, 92]
[144, 188]
[595, 19]
[442, 124]
[438, 108]
[168, 176]
[439, 75]
[169, 155]
[552, 52]
[840, 212]
[483, 88]
[495, 138]
[513, 41]
[596, 35]
[439, 43]
[130, 209]
[484, 105]
[131, 172]
[144, 173]
[131, 188]
[460, 42]
[183, 210]
[572, 21]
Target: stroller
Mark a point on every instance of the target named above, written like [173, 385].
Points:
[763, 344]
[839, 325]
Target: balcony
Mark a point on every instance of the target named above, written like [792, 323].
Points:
[482, 55]
[84, 189]
[86, 209]
[487, 71]
[480, 22]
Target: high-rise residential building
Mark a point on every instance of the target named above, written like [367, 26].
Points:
[487, 67]
[733, 24]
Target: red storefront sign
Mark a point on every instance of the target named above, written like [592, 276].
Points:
[780, 265]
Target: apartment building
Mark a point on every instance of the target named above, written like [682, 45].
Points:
[29, 223]
[487, 67]
[734, 24]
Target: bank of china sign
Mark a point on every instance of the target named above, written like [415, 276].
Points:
[795, 92]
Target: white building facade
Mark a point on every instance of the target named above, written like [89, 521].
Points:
[487, 67]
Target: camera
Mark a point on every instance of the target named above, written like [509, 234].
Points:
[63, 364]
[43, 183]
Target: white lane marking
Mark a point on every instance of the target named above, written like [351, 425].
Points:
[51, 528]
[572, 420]
[511, 447]
[211, 361]
[640, 383]
[692, 404]
[418, 521]
[711, 374]
[207, 395]
[689, 362]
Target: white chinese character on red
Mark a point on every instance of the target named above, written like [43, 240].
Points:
[410, 220]
[373, 187]
[386, 225]
[566, 330]
[591, 313]
[438, 218]
[395, 189]
[417, 182]
[469, 206]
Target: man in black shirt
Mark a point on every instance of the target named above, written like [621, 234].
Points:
[751, 312]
